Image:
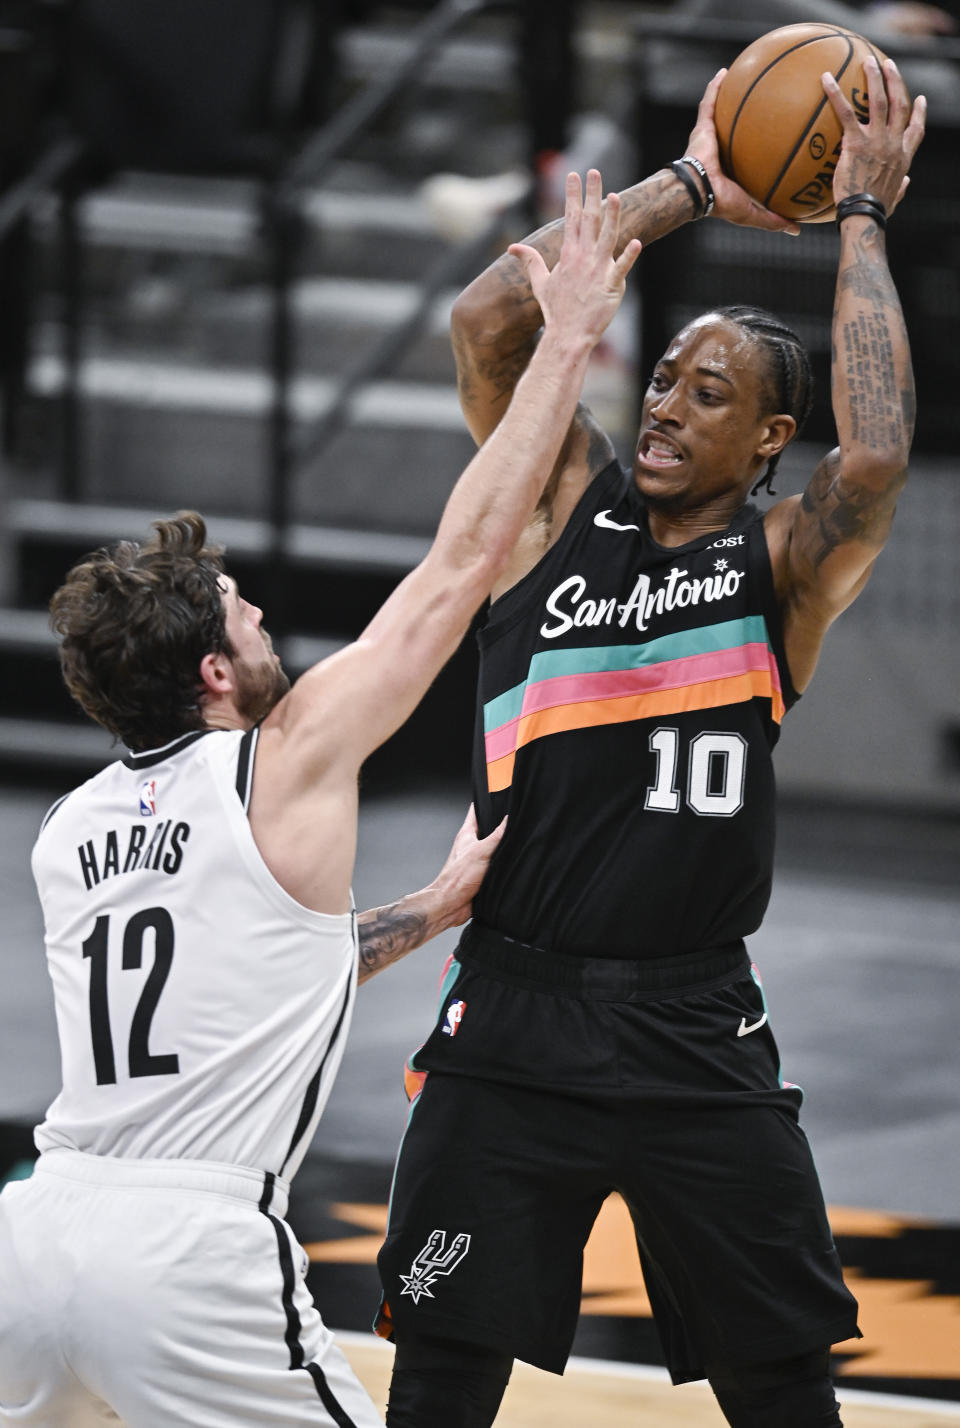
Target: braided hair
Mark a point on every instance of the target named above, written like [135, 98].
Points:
[788, 368]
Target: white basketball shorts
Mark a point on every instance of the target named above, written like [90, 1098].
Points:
[153, 1293]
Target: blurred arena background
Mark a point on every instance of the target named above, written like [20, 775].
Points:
[230, 235]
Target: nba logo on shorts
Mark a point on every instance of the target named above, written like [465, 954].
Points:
[455, 1013]
[148, 798]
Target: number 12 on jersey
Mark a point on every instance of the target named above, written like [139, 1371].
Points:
[140, 1060]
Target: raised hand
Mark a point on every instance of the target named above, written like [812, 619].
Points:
[580, 294]
[874, 157]
[731, 201]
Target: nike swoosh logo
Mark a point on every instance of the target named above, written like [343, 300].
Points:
[602, 519]
[744, 1030]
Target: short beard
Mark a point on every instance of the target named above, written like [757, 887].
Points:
[259, 690]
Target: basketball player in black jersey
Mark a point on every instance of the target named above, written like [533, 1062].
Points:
[602, 1028]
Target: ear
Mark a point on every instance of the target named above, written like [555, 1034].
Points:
[216, 676]
[777, 432]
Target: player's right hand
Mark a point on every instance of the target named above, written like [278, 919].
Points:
[731, 201]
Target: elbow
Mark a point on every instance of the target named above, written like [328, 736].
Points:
[880, 471]
[493, 306]
[473, 321]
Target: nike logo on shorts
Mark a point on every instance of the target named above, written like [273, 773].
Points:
[602, 519]
[744, 1030]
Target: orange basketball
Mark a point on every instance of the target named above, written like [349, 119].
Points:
[779, 137]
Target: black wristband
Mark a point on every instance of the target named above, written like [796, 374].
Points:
[866, 205]
[692, 187]
[708, 195]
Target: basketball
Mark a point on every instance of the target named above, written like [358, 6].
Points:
[779, 137]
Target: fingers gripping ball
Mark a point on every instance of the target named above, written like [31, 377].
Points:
[778, 135]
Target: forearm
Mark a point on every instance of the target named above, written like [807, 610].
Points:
[388, 933]
[873, 395]
[496, 495]
[849, 505]
[496, 318]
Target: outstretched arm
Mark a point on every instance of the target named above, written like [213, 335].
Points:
[496, 319]
[314, 741]
[388, 933]
[825, 542]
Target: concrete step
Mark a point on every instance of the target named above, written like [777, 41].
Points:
[44, 747]
[338, 322]
[79, 528]
[371, 223]
[27, 634]
[198, 436]
[43, 735]
[332, 580]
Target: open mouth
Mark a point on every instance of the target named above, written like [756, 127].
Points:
[659, 451]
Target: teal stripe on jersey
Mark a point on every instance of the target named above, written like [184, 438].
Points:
[549, 664]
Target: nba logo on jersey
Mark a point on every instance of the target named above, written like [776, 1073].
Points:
[148, 798]
[455, 1013]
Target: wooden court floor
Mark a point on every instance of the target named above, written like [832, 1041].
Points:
[611, 1396]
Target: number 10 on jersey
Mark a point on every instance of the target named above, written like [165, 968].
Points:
[716, 772]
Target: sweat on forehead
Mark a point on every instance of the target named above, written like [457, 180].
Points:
[725, 333]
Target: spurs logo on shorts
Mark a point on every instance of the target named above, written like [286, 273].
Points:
[433, 1261]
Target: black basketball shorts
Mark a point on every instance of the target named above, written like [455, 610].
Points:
[554, 1081]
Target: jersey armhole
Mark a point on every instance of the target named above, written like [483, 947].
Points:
[762, 572]
[513, 603]
[245, 762]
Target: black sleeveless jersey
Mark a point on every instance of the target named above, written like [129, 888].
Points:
[630, 697]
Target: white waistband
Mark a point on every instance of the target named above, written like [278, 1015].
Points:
[264, 1189]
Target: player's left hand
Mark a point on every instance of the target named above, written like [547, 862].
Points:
[731, 201]
[874, 157]
[579, 295]
[458, 881]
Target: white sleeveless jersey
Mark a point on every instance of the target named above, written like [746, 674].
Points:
[202, 1012]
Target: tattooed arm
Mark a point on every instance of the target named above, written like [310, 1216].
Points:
[496, 320]
[388, 933]
[824, 543]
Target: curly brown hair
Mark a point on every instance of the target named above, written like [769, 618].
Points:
[135, 621]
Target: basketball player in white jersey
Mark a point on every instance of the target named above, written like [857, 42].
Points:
[203, 947]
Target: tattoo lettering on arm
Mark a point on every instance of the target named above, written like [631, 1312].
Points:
[881, 416]
[386, 934]
[876, 407]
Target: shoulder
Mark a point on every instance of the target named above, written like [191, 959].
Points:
[79, 797]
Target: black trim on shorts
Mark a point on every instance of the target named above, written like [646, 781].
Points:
[291, 1337]
[600, 979]
[313, 1089]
